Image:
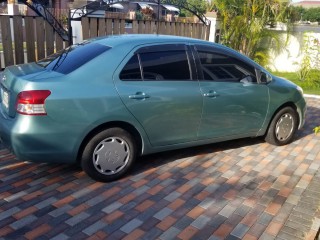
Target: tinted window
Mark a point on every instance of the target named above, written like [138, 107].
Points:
[171, 65]
[222, 67]
[131, 71]
[72, 57]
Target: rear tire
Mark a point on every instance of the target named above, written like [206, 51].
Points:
[109, 155]
[282, 127]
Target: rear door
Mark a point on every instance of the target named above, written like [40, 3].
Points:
[156, 83]
[234, 103]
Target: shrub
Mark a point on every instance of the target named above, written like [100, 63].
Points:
[312, 80]
[139, 15]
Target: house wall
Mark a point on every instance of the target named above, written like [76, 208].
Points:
[299, 45]
[301, 42]
[307, 4]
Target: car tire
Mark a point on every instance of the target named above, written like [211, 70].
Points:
[109, 155]
[282, 127]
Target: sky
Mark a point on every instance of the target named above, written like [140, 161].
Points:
[300, 0]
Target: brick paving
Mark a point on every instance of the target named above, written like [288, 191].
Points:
[244, 189]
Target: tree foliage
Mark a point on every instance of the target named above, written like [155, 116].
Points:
[306, 14]
[196, 6]
[244, 24]
[199, 5]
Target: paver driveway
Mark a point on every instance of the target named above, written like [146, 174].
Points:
[244, 189]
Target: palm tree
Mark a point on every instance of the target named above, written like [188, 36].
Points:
[244, 25]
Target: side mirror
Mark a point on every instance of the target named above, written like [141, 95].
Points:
[264, 77]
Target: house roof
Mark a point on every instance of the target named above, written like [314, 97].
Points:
[307, 4]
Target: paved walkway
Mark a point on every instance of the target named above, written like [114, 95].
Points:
[244, 189]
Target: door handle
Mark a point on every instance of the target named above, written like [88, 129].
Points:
[211, 94]
[139, 96]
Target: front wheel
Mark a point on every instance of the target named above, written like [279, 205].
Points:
[282, 127]
[108, 155]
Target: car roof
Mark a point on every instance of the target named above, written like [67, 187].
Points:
[133, 40]
[138, 39]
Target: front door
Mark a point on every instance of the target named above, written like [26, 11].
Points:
[234, 103]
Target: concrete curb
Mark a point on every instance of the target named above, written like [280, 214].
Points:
[312, 96]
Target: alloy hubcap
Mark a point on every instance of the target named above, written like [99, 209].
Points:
[111, 155]
[284, 127]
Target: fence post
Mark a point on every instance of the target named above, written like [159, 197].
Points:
[85, 27]
[40, 38]
[18, 39]
[6, 40]
[70, 36]
[30, 39]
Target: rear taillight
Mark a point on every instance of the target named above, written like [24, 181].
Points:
[32, 102]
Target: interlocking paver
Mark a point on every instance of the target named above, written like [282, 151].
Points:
[243, 189]
[130, 226]
[163, 213]
[59, 211]
[200, 222]
[61, 236]
[171, 233]
[8, 213]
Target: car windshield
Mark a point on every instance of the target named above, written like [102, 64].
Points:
[73, 57]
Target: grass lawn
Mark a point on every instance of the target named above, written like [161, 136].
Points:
[306, 86]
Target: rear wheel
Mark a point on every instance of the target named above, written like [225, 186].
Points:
[282, 127]
[108, 155]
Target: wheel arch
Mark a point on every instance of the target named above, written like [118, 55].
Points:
[287, 104]
[114, 124]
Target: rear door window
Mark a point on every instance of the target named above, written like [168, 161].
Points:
[172, 65]
[158, 63]
[131, 71]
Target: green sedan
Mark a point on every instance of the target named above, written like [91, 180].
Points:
[109, 100]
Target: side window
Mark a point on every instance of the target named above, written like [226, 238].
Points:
[225, 68]
[131, 71]
[158, 64]
[165, 65]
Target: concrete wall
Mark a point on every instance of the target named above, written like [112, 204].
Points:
[303, 41]
[299, 46]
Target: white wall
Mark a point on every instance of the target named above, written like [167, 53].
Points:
[290, 57]
[76, 27]
[298, 46]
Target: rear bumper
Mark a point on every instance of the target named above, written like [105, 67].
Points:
[30, 140]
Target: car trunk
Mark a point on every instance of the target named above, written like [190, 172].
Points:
[15, 79]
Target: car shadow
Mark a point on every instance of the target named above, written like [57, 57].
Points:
[158, 159]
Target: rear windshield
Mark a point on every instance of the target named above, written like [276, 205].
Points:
[73, 57]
